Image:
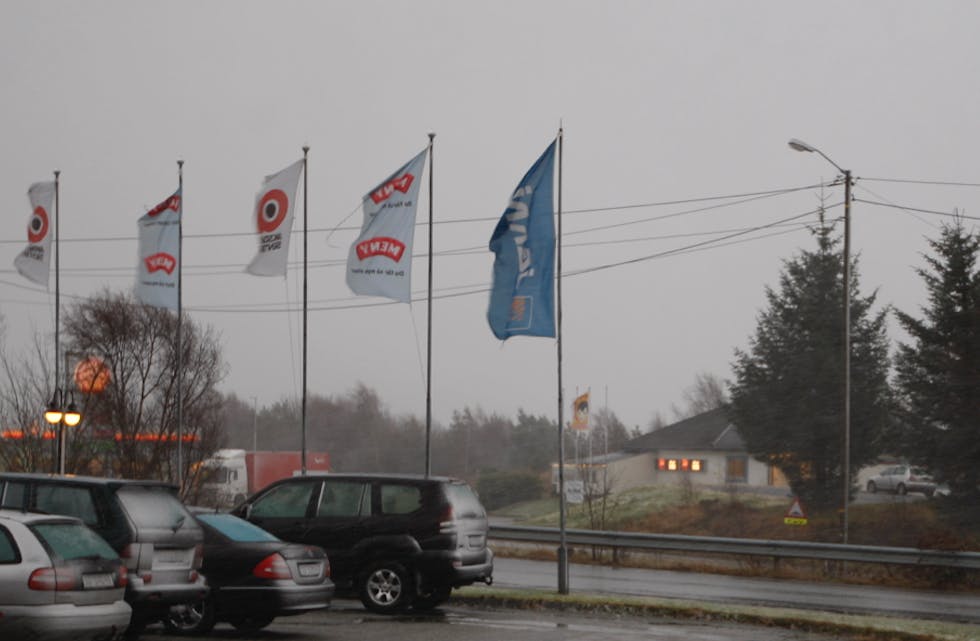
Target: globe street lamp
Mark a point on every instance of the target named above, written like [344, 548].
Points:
[799, 145]
[58, 414]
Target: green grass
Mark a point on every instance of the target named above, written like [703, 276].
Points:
[630, 507]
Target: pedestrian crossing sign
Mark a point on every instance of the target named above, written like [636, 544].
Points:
[795, 515]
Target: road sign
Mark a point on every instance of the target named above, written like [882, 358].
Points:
[575, 491]
[795, 515]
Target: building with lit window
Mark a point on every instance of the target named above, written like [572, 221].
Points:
[706, 449]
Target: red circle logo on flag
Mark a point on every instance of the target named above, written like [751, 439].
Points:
[37, 228]
[272, 210]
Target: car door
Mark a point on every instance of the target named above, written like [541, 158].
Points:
[284, 508]
[891, 477]
[339, 522]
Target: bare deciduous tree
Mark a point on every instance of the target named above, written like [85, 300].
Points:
[131, 428]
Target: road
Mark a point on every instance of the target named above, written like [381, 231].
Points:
[348, 621]
[832, 597]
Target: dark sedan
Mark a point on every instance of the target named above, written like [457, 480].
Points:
[254, 577]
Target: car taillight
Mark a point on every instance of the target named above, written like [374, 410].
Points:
[130, 556]
[48, 579]
[198, 556]
[272, 567]
[447, 522]
[122, 579]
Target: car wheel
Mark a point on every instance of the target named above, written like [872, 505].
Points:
[194, 618]
[872, 488]
[251, 622]
[387, 587]
[901, 489]
[432, 599]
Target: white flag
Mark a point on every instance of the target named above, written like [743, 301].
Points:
[34, 262]
[158, 273]
[274, 221]
[380, 260]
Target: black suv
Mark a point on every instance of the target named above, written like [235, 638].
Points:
[143, 521]
[394, 541]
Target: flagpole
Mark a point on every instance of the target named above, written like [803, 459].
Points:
[428, 366]
[60, 446]
[180, 323]
[562, 548]
[306, 182]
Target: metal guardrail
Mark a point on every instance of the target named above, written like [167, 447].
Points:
[752, 547]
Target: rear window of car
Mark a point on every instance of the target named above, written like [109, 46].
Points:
[235, 528]
[69, 500]
[400, 499]
[153, 507]
[8, 551]
[464, 501]
[73, 541]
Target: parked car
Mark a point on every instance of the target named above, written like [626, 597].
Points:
[393, 541]
[254, 577]
[902, 479]
[143, 521]
[59, 580]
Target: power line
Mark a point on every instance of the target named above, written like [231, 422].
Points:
[468, 290]
[331, 230]
[936, 183]
[919, 210]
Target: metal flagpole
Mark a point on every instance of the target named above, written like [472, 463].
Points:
[59, 446]
[180, 323]
[562, 548]
[306, 182]
[428, 366]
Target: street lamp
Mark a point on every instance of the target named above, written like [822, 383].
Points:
[57, 414]
[799, 145]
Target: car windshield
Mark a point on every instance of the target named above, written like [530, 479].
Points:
[73, 541]
[153, 507]
[235, 528]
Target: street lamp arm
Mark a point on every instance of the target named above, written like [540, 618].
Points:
[799, 145]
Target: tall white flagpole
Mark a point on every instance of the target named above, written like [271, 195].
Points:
[428, 366]
[180, 323]
[562, 547]
[306, 182]
[60, 445]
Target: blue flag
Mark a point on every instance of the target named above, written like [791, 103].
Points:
[522, 297]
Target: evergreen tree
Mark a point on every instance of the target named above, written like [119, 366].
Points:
[787, 397]
[938, 374]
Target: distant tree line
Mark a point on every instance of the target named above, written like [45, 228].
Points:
[361, 434]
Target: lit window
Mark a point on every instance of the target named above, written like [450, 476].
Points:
[681, 465]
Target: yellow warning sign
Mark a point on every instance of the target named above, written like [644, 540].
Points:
[795, 515]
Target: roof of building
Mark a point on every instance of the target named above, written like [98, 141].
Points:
[711, 430]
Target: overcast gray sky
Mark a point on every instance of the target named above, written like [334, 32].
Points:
[660, 101]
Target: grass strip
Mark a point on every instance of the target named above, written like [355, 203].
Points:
[849, 626]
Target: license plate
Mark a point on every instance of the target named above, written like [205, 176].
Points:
[97, 581]
[310, 569]
[171, 557]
